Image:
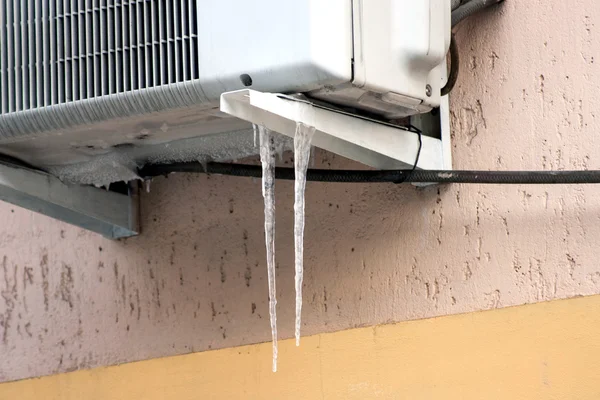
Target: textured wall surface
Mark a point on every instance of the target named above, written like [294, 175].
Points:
[196, 279]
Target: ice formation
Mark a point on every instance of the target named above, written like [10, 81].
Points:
[302, 151]
[267, 158]
[270, 147]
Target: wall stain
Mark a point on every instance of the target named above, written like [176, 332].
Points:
[65, 288]
[10, 296]
[248, 275]
[123, 290]
[45, 283]
[28, 329]
[473, 63]
[493, 58]
[139, 307]
[468, 273]
[27, 276]
[572, 265]
[80, 329]
[172, 255]
[222, 269]
[156, 295]
[245, 245]
[505, 223]
[116, 271]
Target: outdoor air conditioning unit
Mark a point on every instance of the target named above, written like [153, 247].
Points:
[90, 90]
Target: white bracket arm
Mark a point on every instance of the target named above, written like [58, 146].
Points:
[368, 141]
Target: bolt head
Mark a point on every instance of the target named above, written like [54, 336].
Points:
[428, 90]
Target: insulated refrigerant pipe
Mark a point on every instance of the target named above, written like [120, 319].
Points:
[470, 8]
[382, 176]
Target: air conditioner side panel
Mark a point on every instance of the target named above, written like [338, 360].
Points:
[284, 46]
[401, 47]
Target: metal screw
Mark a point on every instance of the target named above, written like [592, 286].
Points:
[428, 90]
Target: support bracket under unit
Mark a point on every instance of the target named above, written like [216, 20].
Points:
[112, 214]
[371, 142]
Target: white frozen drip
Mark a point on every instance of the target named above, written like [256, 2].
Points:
[255, 129]
[267, 158]
[269, 148]
[302, 139]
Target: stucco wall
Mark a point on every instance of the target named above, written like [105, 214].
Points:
[196, 278]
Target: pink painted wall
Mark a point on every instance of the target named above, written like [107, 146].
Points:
[196, 279]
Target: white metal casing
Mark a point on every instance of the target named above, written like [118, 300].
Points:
[382, 56]
[284, 46]
[399, 57]
[400, 45]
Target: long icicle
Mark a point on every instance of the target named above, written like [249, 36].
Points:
[302, 139]
[267, 158]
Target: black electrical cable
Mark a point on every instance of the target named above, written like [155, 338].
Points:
[454, 66]
[389, 176]
[419, 133]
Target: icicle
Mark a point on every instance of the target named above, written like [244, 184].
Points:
[302, 139]
[255, 129]
[204, 164]
[280, 148]
[147, 185]
[267, 158]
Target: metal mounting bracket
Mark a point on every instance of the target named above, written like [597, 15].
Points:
[111, 214]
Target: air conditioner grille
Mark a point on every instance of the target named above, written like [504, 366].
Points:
[59, 51]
